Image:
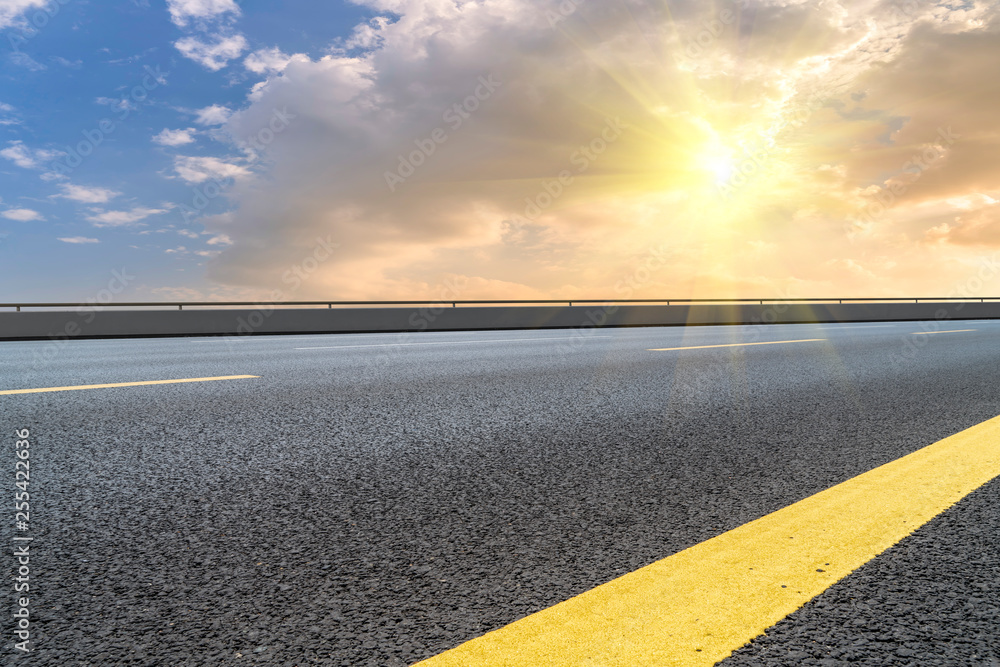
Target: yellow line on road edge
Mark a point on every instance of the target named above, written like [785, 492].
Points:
[930, 333]
[697, 606]
[705, 347]
[123, 384]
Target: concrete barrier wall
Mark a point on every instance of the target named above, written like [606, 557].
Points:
[28, 325]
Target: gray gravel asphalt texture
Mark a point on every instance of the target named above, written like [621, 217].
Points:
[374, 505]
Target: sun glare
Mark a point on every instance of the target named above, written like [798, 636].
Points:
[718, 161]
[722, 167]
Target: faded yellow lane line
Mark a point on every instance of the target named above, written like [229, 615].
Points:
[123, 384]
[697, 606]
[706, 347]
[930, 333]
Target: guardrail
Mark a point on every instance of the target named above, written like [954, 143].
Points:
[40, 321]
[515, 302]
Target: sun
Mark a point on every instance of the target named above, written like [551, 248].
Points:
[718, 161]
[722, 167]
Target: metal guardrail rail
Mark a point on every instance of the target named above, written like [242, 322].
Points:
[511, 302]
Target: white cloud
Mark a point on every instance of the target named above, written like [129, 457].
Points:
[77, 239]
[175, 137]
[19, 154]
[215, 53]
[101, 218]
[87, 195]
[72, 64]
[11, 10]
[221, 239]
[22, 59]
[25, 157]
[367, 35]
[182, 11]
[21, 214]
[360, 108]
[354, 116]
[201, 169]
[271, 61]
[213, 115]
[121, 104]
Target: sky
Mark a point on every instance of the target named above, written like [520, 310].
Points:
[498, 149]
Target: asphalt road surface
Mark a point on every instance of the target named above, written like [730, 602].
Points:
[379, 499]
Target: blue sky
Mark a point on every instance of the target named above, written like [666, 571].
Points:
[498, 149]
[68, 66]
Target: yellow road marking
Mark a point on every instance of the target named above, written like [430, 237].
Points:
[123, 384]
[929, 333]
[705, 347]
[694, 608]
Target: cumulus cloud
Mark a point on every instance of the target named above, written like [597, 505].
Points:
[212, 41]
[183, 11]
[212, 52]
[12, 10]
[215, 114]
[5, 117]
[270, 61]
[101, 218]
[170, 137]
[25, 157]
[21, 214]
[86, 195]
[543, 148]
[201, 169]
[19, 154]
